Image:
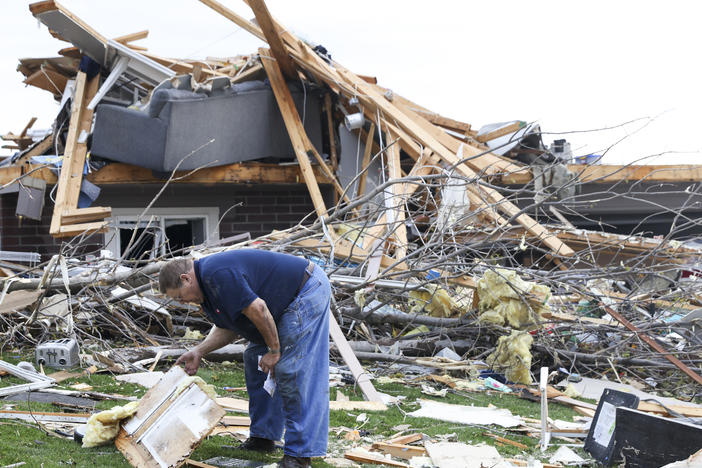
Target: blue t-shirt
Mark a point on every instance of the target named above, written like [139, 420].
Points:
[232, 280]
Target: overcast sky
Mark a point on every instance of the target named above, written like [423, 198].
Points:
[571, 66]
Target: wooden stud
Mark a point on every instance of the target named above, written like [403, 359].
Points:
[398, 199]
[238, 20]
[405, 452]
[362, 378]
[290, 116]
[135, 36]
[85, 215]
[265, 22]
[500, 132]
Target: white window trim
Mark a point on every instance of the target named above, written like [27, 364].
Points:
[121, 215]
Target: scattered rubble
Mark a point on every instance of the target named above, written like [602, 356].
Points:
[438, 266]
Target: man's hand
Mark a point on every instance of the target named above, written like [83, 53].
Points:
[268, 362]
[191, 361]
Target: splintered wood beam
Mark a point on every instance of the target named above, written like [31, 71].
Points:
[71, 175]
[135, 36]
[236, 19]
[74, 153]
[450, 124]
[27, 127]
[491, 195]
[397, 199]
[265, 22]
[360, 375]
[500, 132]
[290, 116]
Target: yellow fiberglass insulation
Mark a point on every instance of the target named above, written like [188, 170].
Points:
[437, 301]
[513, 357]
[506, 299]
[204, 386]
[102, 427]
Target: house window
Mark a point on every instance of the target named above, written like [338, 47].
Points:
[161, 231]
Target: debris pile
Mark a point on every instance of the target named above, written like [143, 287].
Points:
[435, 259]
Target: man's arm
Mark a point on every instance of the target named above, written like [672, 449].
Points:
[261, 317]
[217, 338]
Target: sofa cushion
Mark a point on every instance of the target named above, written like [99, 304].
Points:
[161, 96]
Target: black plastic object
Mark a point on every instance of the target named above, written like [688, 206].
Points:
[601, 440]
[650, 441]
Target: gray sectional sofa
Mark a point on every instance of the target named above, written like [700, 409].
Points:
[239, 123]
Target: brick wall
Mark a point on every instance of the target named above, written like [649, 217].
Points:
[262, 209]
[26, 235]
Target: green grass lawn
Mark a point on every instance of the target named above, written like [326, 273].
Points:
[24, 442]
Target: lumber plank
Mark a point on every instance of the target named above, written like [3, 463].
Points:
[135, 36]
[290, 115]
[607, 173]
[368, 458]
[238, 173]
[399, 450]
[38, 150]
[265, 22]
[406, 439]
[71, 174]
[362, 378]
[500, 132]
[398, 200]
[72, 230]
[236, 19]
[72, 154]
[85, 215]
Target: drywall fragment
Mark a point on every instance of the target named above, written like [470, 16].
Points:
[171, 421]
[513, 357]
[506, 299]
[466, 414]
[453, 454]
[104, 426]
[145, 379]
[565, 455]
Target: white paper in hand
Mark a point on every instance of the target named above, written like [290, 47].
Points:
[269, 384]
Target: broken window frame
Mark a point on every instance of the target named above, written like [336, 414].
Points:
[36, 380]
[158, 218]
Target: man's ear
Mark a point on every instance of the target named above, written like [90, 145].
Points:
[184, 277]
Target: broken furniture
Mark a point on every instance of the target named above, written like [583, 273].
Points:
[187, 130]
[173, 418]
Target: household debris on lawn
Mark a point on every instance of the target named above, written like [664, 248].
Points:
[442, 278]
